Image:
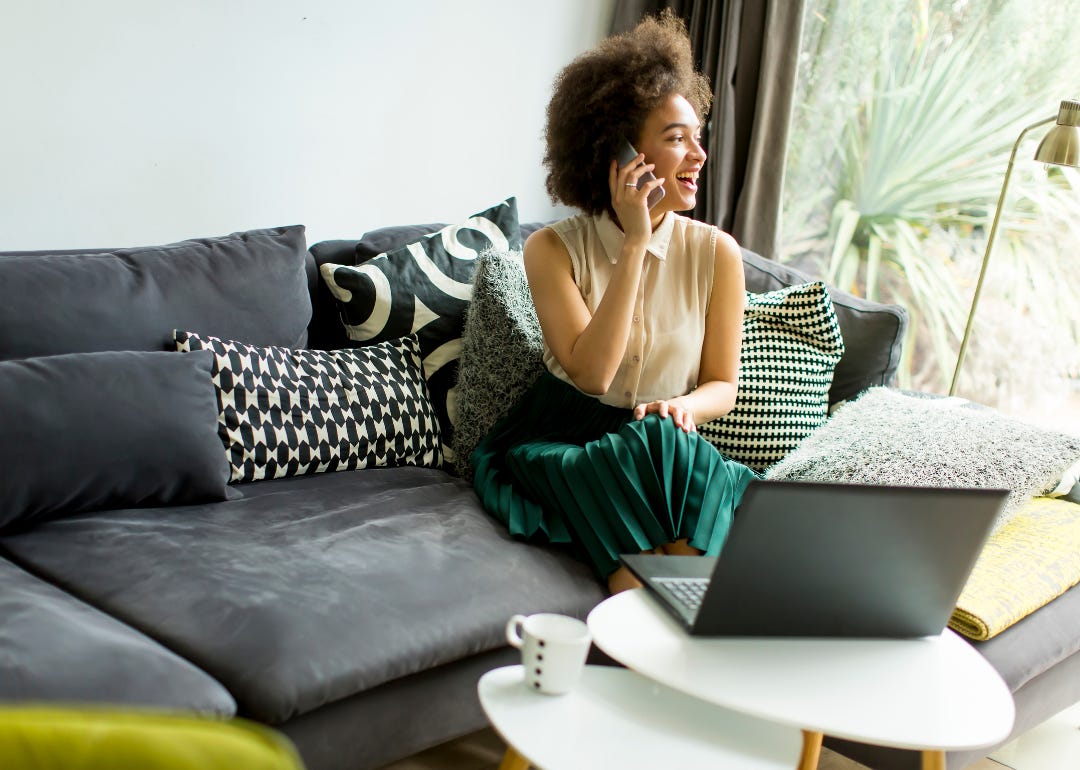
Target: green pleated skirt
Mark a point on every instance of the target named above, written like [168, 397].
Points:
[562, 467]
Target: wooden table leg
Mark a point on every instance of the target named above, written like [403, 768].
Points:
[513, 761]
[811, 750]
[933, 760]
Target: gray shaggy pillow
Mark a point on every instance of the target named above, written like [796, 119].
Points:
[501, 350]
[886, 437]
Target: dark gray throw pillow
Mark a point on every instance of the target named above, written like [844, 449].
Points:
[250, 286]
[116, 429]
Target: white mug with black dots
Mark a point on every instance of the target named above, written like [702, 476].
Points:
[553, 650]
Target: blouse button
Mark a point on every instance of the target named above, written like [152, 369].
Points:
[627, 394]
[637, 319]
[636, 359]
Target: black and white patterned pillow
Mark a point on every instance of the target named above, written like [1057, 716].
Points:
[424, 288]
[285, 412]
[791, 344]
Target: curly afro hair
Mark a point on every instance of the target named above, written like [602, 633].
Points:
[607, 93]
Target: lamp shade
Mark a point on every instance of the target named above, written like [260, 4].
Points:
[1061, 145]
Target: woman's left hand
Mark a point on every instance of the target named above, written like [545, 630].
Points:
[683, 417]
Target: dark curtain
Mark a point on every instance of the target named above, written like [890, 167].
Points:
[749, 50]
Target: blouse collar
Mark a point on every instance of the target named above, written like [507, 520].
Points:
[611, 237]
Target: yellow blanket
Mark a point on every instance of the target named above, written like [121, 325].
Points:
[1031, 560]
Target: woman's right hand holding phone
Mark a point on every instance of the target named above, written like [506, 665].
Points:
[631, 204]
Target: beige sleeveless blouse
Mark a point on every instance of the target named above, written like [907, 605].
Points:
[663, 355]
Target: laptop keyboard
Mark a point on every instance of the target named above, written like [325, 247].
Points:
[686, 591]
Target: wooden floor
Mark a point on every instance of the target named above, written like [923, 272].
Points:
[483, 750]
[1053, 745]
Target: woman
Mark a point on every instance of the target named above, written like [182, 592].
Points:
[641, 311]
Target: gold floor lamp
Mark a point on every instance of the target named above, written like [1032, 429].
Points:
[1060, 147]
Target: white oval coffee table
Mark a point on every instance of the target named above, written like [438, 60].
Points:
[616, 718]
[930, 694]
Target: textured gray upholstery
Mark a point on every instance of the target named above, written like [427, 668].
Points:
[152, 414]
[1037, 643]
[312, 589]
[54, 647]
[248, 286]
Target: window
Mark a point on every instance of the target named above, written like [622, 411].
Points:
[905, 115]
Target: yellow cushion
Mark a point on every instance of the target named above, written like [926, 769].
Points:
[44, 738]
[1031, 560]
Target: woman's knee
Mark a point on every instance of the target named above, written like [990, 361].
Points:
[680, 548]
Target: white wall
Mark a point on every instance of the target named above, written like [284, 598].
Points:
[132, 122]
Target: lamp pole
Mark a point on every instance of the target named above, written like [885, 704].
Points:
[986, 255]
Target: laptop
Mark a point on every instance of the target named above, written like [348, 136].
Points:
[830, 560]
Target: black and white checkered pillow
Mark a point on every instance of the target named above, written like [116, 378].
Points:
[424, 288]
[791, 344]
[285, 412]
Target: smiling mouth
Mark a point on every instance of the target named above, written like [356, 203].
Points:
[687, 179]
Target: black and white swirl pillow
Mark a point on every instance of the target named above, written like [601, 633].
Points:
[424, 288]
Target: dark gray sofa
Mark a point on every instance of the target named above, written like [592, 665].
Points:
[354, 611]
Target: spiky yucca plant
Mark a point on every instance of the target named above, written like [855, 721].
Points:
[914, 177]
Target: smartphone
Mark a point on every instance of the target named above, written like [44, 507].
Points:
[626, 154]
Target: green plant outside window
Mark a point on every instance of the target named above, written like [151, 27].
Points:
[904, 119]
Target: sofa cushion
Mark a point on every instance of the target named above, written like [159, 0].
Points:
[1036, 643]
[873, 332]
[313, 588]
[424, 288]
[287, 412]
[386, 239]
[91, 430]
[887, 437]
[791, 343]
[249, 286]
[54, 647]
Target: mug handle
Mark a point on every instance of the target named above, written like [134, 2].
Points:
[514, 628]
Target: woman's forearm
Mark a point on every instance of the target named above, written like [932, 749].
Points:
[709, 401]
[597, 352]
